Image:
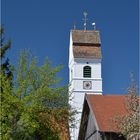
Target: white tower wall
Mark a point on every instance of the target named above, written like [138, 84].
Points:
[76, 86]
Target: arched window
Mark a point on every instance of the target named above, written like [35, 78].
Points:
[87, 71]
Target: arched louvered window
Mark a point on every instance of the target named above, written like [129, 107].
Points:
[87, 71]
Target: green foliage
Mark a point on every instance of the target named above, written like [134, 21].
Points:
[34, 107]
[5, 66]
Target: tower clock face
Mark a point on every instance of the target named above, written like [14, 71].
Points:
[87, 85]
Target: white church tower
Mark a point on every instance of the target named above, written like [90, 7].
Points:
[84, 70]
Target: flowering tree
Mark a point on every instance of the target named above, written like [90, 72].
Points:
[129, 124]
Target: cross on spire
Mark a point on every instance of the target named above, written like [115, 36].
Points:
[85, 20]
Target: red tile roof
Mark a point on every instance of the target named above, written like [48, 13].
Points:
[86, 44]
[87, 52]
[86, 36]
[106, 107]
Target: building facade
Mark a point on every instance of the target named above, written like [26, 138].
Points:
[84, 71]
[98, 111]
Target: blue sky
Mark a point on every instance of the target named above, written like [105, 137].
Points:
[44, 27]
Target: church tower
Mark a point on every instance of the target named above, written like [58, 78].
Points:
[84, 70]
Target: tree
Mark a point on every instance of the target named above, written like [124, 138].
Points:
[34, 107]
[129, 124]
[5, 66]
[131, 120]
[5, 82]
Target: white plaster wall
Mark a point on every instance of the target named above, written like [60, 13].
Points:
[96, 85]
[95, 137]
[71, 71]
[78, 100]
[70, 49]
[91, 127]
[77, 104]
[77, 75]
[76, 87]
[95, 69]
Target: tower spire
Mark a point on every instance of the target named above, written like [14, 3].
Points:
[85, 20]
